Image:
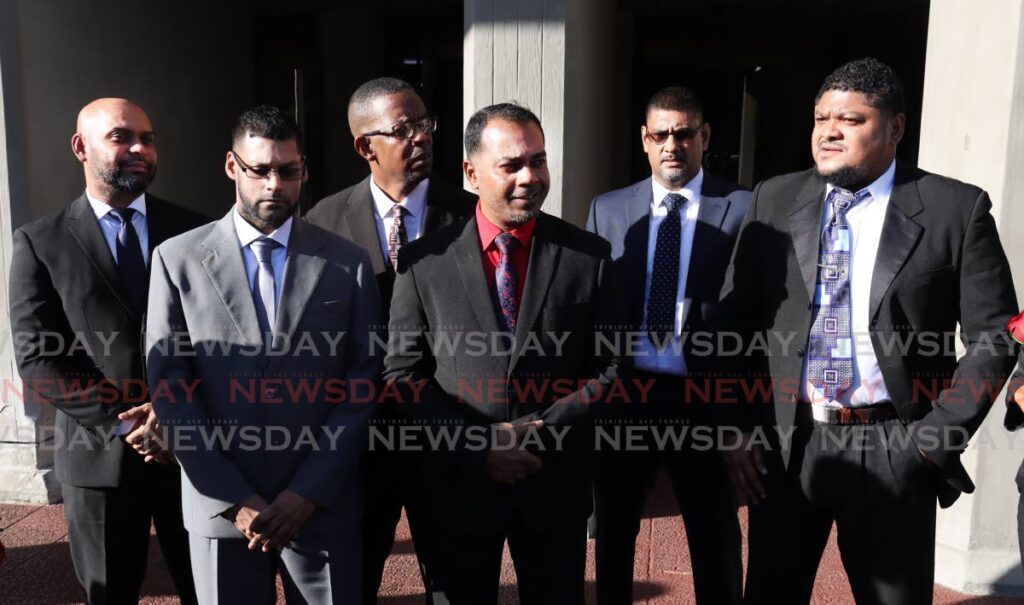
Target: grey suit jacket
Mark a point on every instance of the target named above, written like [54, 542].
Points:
[623, 218]
[202, 330]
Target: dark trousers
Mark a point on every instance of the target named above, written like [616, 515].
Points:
[388, 484]
[708, 506]
[108, 530]
[881, 494]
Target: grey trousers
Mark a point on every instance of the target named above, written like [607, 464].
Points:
[226, 571]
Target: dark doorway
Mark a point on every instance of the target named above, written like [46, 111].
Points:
[779, 52]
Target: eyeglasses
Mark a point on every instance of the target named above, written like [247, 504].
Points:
[288, 172]
[681, 135]
[407, 130]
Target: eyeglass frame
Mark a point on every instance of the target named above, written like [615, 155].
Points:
[246, 168]
[414, 124]
[681, 135]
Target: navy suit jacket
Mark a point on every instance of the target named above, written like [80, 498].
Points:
[623, 218]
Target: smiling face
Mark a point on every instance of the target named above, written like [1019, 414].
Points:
[116, 145]
[510, 172]
[265, 203]
[853, 143]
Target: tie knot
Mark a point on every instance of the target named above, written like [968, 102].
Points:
[505, 241]
[123, 214]
[843, 200]
[399, 211]
[673, 201]
[263, 247]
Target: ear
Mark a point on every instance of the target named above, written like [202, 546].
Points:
[897, 127]
[229, 166]
[364, 148]
[78, 146]
[705, 136]
[643, 137]
[470, 171]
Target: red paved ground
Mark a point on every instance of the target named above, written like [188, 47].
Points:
[39, 566]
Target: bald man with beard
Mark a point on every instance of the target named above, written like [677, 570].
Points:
[78, 287]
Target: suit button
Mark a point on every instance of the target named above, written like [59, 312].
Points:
[799, 352]
[810, 306]
[792, 398]
[270, 393]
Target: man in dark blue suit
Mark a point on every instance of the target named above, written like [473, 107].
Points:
[672, 236]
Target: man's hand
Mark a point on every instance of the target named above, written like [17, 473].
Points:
[1018, 397]
[146, 436]
[510, 463]
[745, 463]
[243, 514]
[280, 522]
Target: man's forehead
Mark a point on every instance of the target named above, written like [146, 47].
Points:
[392, 108]
[512, 140]
[671, 117]
[843, 100]
[257, 150]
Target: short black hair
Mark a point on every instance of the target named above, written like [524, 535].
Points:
[268, 122]
[510, 112]
[675, 98]
[876, 80]
[361, 101]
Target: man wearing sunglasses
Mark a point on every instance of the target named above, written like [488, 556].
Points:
[270, 318]
[397, 203]
[672, 235]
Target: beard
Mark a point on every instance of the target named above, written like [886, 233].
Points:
[676, 176]
[265, 217]
[847, 177]
[123, 181]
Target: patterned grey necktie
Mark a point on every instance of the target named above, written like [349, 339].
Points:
[263, 290]
[830, 345]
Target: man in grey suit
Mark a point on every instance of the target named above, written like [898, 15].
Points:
[258, 342]
[672, 236]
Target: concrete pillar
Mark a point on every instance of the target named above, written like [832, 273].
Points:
[557, 58]
[26, 469]
[972, 129]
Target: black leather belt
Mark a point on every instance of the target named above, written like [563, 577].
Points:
[866, 414]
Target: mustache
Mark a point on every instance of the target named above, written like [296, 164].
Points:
[130, 159]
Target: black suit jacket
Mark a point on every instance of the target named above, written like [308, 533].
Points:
[623, 218]
[442, 295]
[78, 341]
[939, 263]
[350, 214]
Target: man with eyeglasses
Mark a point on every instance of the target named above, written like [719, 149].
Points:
[269, 319]
[671, 235]
[397, 203]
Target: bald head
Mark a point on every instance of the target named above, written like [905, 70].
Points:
[115, 143]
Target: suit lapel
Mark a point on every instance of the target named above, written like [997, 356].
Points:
[709, 222]
[302, 271]
[86, 232]
[634, 253]
[471, 269]
[433, 209]
[899, 234]
[805, 229]
[226, 269]
[544, 254]
[361, 223]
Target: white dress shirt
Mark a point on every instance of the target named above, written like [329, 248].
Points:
[247, 234]
[866, 220]
[670, 360]
[110, 224]
[415, 205]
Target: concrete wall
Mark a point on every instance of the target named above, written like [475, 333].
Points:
[972, 129]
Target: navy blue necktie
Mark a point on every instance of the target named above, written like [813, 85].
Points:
[661, 301]
[130, 262]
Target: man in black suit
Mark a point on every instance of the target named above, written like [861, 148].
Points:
[396, 204]
[672, 236]
[855, 274]
[78, 288]
[521, 297]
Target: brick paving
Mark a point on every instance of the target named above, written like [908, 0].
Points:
[39, 569]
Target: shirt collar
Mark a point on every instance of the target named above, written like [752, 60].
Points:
[488, 230]
[247, 234]
[413, 203]
[101, 208]
[691, 190]
[880, 189]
